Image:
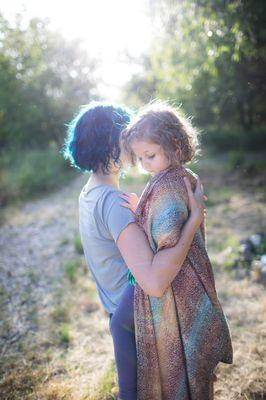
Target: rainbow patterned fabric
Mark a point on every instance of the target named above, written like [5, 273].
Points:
[183, 335]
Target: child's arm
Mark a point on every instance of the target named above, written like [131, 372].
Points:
[168, 212]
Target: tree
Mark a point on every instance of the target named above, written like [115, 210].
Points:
[43, 80]
[209, 56]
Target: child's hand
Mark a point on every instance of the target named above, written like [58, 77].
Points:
[196, 200]
[131, 201]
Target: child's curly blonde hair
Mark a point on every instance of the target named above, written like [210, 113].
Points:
[160, 123]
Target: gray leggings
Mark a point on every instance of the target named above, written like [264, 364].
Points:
[123, 332]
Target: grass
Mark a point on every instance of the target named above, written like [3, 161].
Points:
[57, 362]
[218, 196]
[78, 244]
[107, 388]
[64, 335]
[21, 375]
[71, 270]
[60, 314]
[64, 241]
[38, 367]
[27, 173]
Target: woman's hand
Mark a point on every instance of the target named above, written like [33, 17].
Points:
[131, 201]
[196, 201]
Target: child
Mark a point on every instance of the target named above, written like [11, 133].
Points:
[183, 335]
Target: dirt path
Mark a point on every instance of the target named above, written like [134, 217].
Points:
[54, 337]
[48, 301]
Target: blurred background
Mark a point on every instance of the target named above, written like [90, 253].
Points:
[206, 57]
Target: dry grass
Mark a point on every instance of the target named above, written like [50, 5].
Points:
[66, 352]
[245, 307]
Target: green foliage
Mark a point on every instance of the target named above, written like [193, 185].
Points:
[218, 196]
[78, 245]
[64, 335]
[43, 80]
[210, 57]
[61, 314]
[138, 178]
[28, 172]
[71, 270]
[248, 163]
[234, 138]
[107, 386]
[236, 158]
[231, 245]
[262, 247]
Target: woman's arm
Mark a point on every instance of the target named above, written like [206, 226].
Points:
[155, 272]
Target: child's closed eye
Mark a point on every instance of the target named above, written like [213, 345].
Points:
[149, 157]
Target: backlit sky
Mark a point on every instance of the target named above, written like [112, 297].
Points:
[108, 28]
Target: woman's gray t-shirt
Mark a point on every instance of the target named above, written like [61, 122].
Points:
[101, 220]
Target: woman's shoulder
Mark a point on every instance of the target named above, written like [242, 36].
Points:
[99, 199]
[109, 198]
[99, 192]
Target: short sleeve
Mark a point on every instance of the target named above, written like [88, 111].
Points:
[116, 217]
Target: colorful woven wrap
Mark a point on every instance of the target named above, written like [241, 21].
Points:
[183, 335]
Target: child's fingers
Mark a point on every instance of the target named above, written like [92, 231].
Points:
[125, 197]
[199, 185]
[188, 185]
[199, 188]
[126, 205]
[128, 195]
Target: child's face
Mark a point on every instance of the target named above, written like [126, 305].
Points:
[151, 156]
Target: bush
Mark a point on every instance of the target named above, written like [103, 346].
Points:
[27, 173]
[234, 139]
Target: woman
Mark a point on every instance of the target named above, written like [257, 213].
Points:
[111, 239]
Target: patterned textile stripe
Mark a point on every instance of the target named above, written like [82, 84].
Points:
[199, 377]
[171, 361]
[205, 322]
[148, 381]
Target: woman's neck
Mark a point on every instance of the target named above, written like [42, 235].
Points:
[99, 178]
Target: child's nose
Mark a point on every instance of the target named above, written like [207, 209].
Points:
[145, 164]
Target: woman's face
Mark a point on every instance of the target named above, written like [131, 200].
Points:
[151, 156]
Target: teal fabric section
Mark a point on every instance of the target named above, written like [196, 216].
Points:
[131, 278]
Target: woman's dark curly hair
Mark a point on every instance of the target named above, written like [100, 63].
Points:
[93, 136]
